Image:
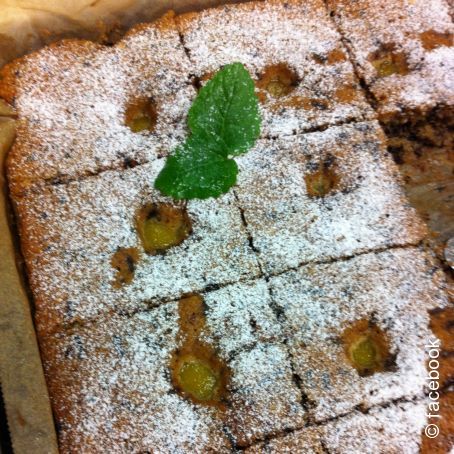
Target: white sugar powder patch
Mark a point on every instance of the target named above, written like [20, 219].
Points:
[72, 103]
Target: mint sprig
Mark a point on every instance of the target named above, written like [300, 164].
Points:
[197, 171]
[224, 121]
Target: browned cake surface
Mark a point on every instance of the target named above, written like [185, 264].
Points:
[305, 80]
[304, 295]
[80, 227]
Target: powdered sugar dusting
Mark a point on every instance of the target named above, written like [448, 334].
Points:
[394, 429]
[266, 400]
[368, 25]
[72, 98]
[239, 315]
[107, 351]
[111, 381]
[262, 34]
[75, 230]
[395, 289]
[114, 382]
[366, 212]
[119, 396]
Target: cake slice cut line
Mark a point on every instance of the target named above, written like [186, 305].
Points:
[319, 305]
[395, 428]
[124, 361]
[291, 222]
[296, 51]
[416, 44]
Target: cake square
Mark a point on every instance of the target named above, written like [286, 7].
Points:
[323, 195]
[111, 390]
[303, 76]
[395, 429]
[113, 381]
[402, 50]
[265, 400]
[73, 233]
[358, 329]
[77, 102]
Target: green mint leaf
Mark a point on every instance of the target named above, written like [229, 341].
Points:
[224, 120]
[226, 111]
[196, 171]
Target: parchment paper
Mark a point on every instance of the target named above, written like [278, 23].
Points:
[21, 375]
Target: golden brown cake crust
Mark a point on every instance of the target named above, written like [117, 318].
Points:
[296, 46]
[10, 73]
[73, 47]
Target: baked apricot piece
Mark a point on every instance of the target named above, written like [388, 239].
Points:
[277, 80]
[366, 347]
[141, 115]
[323, 181]
[388, 61]
[197, 378]
[162, 226]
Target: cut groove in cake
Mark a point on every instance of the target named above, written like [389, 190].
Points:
[290, 314]
[403, 52]
[70, 233]
[323, 195]
[111, 382]
[392, 430]
[72, 98]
